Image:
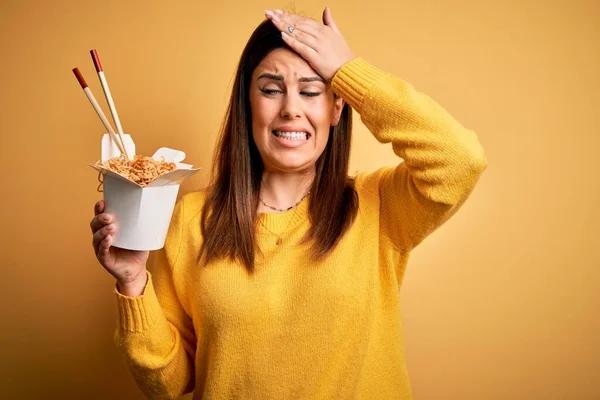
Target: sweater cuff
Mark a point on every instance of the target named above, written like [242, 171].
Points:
[354, 80]
[138, 314]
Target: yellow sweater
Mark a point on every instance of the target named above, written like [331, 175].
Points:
[297, 329]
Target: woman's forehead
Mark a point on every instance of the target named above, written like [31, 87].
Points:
[286, 63]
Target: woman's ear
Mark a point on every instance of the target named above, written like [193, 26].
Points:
[338, 106]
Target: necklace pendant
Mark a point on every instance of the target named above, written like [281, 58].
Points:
[279, 241]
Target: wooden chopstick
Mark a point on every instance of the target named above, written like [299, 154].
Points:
[109, 99]
[92, 99]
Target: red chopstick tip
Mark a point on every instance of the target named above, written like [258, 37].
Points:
[96, 60]
[79, 77]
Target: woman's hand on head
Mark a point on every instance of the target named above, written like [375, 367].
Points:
[321, 45]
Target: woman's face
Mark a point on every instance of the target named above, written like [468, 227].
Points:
[292, 111]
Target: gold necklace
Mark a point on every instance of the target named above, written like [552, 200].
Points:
[280, 236]
[284, 209]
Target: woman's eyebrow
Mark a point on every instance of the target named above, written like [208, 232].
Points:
[311, 79]
[267, 75]
[276, 77]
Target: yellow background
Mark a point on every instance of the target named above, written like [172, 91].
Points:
[500, 303]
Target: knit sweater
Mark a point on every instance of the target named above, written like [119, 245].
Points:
[297, 328]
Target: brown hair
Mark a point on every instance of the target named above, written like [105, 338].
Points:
[229, 215]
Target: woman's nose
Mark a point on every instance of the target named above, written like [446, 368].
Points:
[291, 107]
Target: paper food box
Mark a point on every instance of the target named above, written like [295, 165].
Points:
[142, 214]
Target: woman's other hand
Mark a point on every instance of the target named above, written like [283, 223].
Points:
[321, 45]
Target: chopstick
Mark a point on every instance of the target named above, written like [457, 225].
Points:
[109, 99]
[92, 99]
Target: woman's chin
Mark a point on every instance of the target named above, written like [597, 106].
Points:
[290, 166]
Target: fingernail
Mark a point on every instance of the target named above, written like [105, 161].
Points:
[275, 18]
[285, 35]
[106, 218]
[279, 12]
[269, 14]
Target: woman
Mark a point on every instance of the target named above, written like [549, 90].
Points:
[280, 281]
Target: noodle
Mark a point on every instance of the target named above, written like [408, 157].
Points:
[141, 170]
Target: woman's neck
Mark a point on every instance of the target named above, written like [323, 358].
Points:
[284, 189]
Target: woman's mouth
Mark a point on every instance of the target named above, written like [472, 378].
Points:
[291, 135]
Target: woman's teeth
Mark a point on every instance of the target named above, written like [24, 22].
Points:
[291, 135]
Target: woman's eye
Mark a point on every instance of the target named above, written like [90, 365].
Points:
[271, 91]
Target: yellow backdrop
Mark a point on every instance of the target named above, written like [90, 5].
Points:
[499, 303]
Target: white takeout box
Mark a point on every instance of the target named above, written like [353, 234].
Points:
[142, 214]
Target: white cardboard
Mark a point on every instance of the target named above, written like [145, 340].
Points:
[142, 214]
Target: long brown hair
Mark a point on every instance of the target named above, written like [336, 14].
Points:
[229, 215]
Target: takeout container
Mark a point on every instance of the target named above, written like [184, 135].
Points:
[142, 214]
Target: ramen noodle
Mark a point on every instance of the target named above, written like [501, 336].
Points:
[141, 170]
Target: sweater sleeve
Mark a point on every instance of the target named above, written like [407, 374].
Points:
[154, 332]
[442, 160]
